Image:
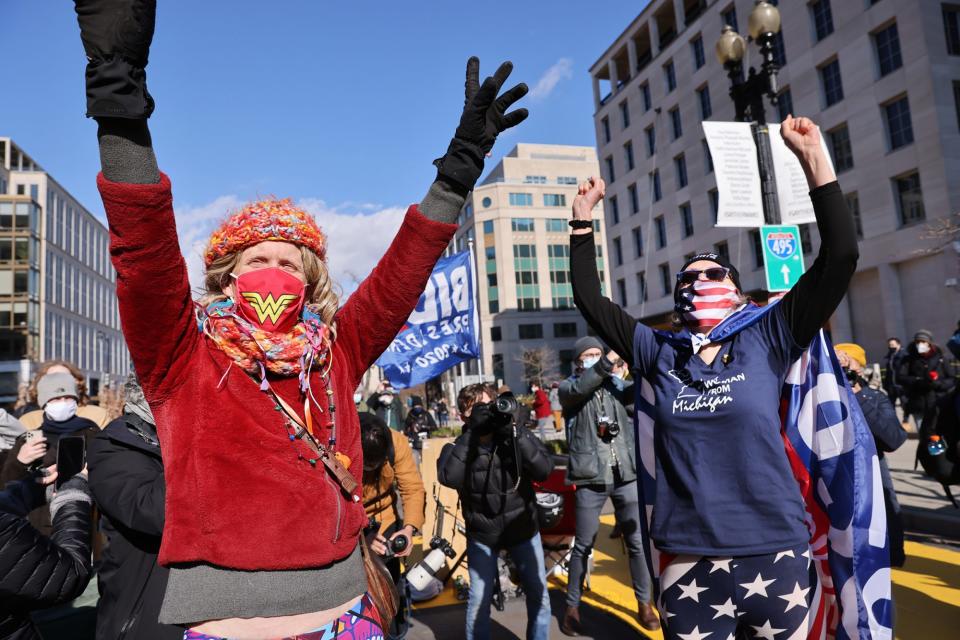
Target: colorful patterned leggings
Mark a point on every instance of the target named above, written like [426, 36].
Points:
[766, 596]
[359, 623]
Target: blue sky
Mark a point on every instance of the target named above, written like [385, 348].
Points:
[340, 104]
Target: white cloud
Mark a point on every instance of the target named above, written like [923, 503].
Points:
[358, 234]
[561, 70]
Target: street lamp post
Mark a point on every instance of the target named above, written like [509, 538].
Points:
[748, 94]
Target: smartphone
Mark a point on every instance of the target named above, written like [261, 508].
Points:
[71, 458]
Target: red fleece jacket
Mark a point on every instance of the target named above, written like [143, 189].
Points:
[237, 496]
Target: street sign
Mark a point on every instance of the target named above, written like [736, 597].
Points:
[782, 256]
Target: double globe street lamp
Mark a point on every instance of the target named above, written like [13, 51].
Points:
[748, 94]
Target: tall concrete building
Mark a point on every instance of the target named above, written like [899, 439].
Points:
[517, 218]
[57, 286]
[880, 77]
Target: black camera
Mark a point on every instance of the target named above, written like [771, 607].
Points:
[436, 542]
[501, 413]
[506, 404]
[607, 428]
[396, 545]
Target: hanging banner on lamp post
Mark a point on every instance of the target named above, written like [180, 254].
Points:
[734, 154]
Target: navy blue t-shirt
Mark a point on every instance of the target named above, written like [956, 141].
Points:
[724, 484]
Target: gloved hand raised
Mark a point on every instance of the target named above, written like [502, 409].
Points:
[484, 117]
[116, 37]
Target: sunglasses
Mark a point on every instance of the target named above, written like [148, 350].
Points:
[713, 274]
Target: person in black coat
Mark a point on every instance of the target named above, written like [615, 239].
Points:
[892, 361]
[37, 572]
[924, 377]
[888, 435]
[126, 477]
[492, 466]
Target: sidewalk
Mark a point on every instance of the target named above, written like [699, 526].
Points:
[926, 508]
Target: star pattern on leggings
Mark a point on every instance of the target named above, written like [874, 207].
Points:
[796, 599]
[784, 554]
[694, 635]
[725, 609]
[721, 564]
[757, 587]
[691, 591]
[766, 631]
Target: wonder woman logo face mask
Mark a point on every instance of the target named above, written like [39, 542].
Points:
[270, 298]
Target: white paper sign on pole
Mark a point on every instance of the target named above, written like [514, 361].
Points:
[738, 175]
[792, 190]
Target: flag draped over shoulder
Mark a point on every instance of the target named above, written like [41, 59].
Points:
[834, 460]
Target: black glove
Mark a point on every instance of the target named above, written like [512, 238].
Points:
[484, 117]
[116, 36]
[481, 420]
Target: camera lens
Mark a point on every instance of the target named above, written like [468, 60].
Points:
[398, 544]
[506, 403]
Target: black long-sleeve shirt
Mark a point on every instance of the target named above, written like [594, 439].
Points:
[806, 307]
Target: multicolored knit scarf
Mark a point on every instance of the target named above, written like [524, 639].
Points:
[255, 350]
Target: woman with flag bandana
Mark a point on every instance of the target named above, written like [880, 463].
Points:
[727, 505]
[252, 387]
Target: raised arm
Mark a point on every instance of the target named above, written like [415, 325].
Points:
[376, 312]
[156, 308]
[816, 295]
[614, 325]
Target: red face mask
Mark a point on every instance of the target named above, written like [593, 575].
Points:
[270, 298]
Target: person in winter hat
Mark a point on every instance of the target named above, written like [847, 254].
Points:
[255, 412]
[924, 376]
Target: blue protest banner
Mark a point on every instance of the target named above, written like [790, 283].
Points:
[442, 330]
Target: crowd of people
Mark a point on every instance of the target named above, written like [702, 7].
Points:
[191, 534]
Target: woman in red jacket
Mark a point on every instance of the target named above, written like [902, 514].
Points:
[252, 387]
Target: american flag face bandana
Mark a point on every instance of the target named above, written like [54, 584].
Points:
[705, 304]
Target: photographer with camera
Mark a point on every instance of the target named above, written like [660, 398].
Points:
[417, 427]
[602, 463]
[492, 466]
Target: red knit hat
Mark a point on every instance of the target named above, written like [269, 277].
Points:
[269, 219]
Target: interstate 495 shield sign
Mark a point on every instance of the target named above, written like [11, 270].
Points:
[782, 256]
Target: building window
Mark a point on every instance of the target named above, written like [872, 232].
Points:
[628, 155]
[637, 242]
[899, 129]
[596, 226]
[526, 277]
[535, 180]
[665, 284]
[487, 227]
[614, 210]
[624, 114]
[642, 286]
[651, 140]
[645, 93]
[655, 185]
[496, 334]
[686, 217]
[840, 147]
[853, 206]
[634, 199]
[784, 104]
[521, 224]
[680, 170]
[707, 158]
[722, 249]
[822, 18]
[831, 82]
[565, 330]
[617, 253]
[661, 228]
[530, 331]
[696, 46]
[561, 291]
[887, 45]
[605, 125]
[521, 199]
[554, 200]
[675, 121]
[729, 16]
[909, 198]
[497, 362]
[670, 76]
[757, 248]
[622, 292]
[779, 50]
[556, 225]
[951, 28]
[566, 180]
[611, 175]
[703, 94]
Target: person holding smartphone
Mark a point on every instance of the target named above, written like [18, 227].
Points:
[58, 395]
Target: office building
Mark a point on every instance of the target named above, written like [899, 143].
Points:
[881, 78]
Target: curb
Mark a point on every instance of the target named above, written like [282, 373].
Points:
[916, 520]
